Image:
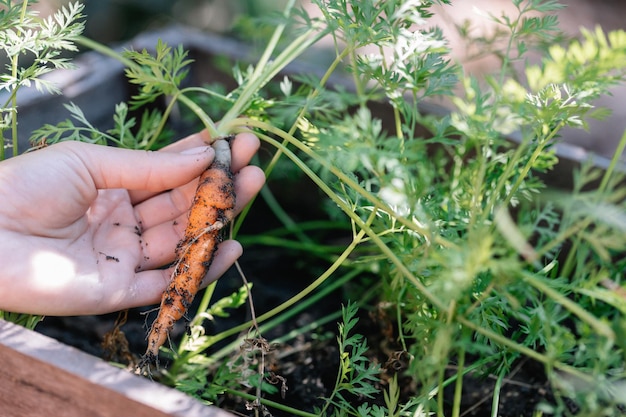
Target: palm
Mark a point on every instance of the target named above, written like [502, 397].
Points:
[82, 243]
[109, 250]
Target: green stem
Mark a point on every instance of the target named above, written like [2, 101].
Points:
[288, 313]
[265, 74]
[336, 385]
[506, 342]
[179, 96]
[208, 123]
[510, 167]
[28, 321]
[312, 326]
[271, 46]
[203, 306]
[358, 83]
[14, 126]
[495, 402]
[559, 239]
[574, 252]
[201, 114]
[440, 389]
[14, 71]
[283, 216]
[106, 51]
[477, 186]
[379, 205]
[458, 386]
[284, 306]
[506, 59]
[319, 281]
[398, 121]
[163, 121]
[206, 91]
[278, 406]
[331, 69]
[600, 327]
[363, 226]
[310, 248]
[533, 158]
[615, 161]
[323, 81]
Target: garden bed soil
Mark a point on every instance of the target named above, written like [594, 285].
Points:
[309, 363]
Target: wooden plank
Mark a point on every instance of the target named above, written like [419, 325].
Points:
[40, 349]
[31, 387]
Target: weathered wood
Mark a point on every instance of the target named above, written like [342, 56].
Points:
[31, 387]
[40, 376]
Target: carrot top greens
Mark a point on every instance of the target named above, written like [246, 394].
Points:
[454, 237]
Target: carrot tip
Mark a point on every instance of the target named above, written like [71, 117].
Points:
[148, 360]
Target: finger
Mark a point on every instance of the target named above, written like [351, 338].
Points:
[164, 220]
[166, 206]
[170, 205]
[192, 141]
[248, 183]
[243, 148]
[111, 167]
[149, 285]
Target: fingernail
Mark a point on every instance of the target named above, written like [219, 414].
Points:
[196, 151]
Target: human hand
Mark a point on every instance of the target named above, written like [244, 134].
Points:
[84, 228]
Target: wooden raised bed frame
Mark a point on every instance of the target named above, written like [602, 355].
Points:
[43, 377]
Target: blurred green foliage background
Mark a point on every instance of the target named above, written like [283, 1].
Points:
[111, 21]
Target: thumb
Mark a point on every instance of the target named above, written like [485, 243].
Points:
[143, 170]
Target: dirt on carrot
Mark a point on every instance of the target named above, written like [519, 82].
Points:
[212, 209]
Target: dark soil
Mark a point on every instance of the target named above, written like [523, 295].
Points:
[309, 363]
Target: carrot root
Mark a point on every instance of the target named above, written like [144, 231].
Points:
[211, 210]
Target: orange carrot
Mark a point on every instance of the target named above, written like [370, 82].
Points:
[211, 210]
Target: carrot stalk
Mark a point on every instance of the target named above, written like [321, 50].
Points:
[211, 210]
